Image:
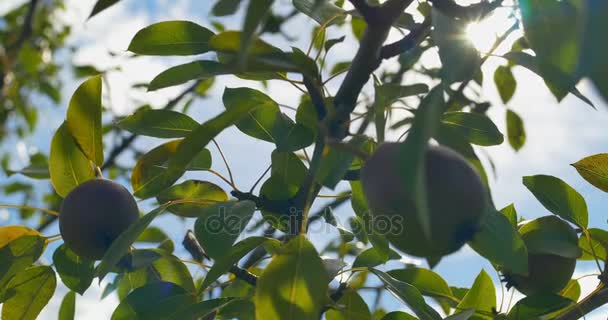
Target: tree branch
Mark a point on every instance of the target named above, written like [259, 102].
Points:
[596, 299]
[26, 29]
[410, 41]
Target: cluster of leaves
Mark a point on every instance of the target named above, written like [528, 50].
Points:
[300, 282]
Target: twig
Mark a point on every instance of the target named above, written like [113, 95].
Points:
[410, 41]
[26, 29]
[219, 149]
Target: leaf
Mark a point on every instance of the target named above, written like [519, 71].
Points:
[196, 194]
[75, 272]
[235, 254]
[287, 167]
[511, 214]
[481, 297]
[201, 309]
[459, 58]
[262, 116]
[195, 142]
[291, 136]
[37, 169]
[594, 169]
[372, 258]
[256, 13]
[428, 282]
[349, 307]
[152, 234]
[409, 295]
[121, 245]
[18, 255]
[558, 82]
[293, 285]
[337, 161]
[84, 119]
[225, 7]
[463, 315]
[68, 166]
[476, 128]
[158, 300]
[321, 11]
[597, 246]
[158, 123]
[595, 49]
[171, 38]
[29, 291]
[515, 130]
[398, 315]
[550, 235]
[413, 151]
[535, 306]
[67, 309]
[150, 167]
[183, 73]
[499, 242]
[101, 5]
[158, 265]
[505, 83]
[11, 233]
[559, 198]
[220, 225]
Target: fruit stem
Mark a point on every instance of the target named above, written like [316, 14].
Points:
[49, 211]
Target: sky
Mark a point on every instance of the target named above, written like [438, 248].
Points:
[558, 134]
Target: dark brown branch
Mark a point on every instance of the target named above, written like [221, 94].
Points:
[26, 29]
[370, 13]
[593, 301]
[410, 41]
[315, 97]
[196, 251]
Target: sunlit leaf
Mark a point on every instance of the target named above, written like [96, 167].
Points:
[158, 123]
[197, 196]
[427, 281]
[11, 233]
[596, 247]
[535, 306]
[481, 297]
[157, 300]
[594, 169]
[505, 83]
[515, 130]
[171, 38]
[349, 307]
[75, 272]
[67, 309]
[476, 128]
[29, 291]
[320, 10]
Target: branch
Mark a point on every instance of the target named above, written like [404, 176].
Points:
[196, 251]
[471, 12]
[26, 29]
[369, 13]
[408, 42]
[596, 299]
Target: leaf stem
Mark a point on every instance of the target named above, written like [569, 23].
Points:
[49, 211]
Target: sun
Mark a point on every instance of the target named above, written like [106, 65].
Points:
[482, 34]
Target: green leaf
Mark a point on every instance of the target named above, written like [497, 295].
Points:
[597, 246]
[476, 128]
[220, 225]
[256, 13]
[75, 272]
[158, 300]
[499, 242]
[535, 306]
[428, 282]
[17, 255]
[201, 309]
[398, 315]
[558, 82]
[550, 235]
[559, 198]
[197, 196]
[290, 136]
[511, 214]
[337, 161]
[463, 315]
[68, 166]
[196, 141]
[515, 130]
[594, 169]
[372, 258]
[409, 295]
[29, 291]
[505, 83]
[572, 290]
[481, 297]
[459, 58]
[67, 309]
[293, 285]
[413, 151]
[150, 167]
[235, 254]
[321, 11]
[183, 73]
[37, 169]
[121, 245]
[84, 119]
[288, 167]
[158, 123]
[262, 116]
[171, 38]
[225, 7]
[593, 62]
[349, 307]
[101, 5]
[152, 234]
[160, 265]
[553, 30]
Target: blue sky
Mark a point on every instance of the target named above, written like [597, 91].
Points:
[558, 134]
